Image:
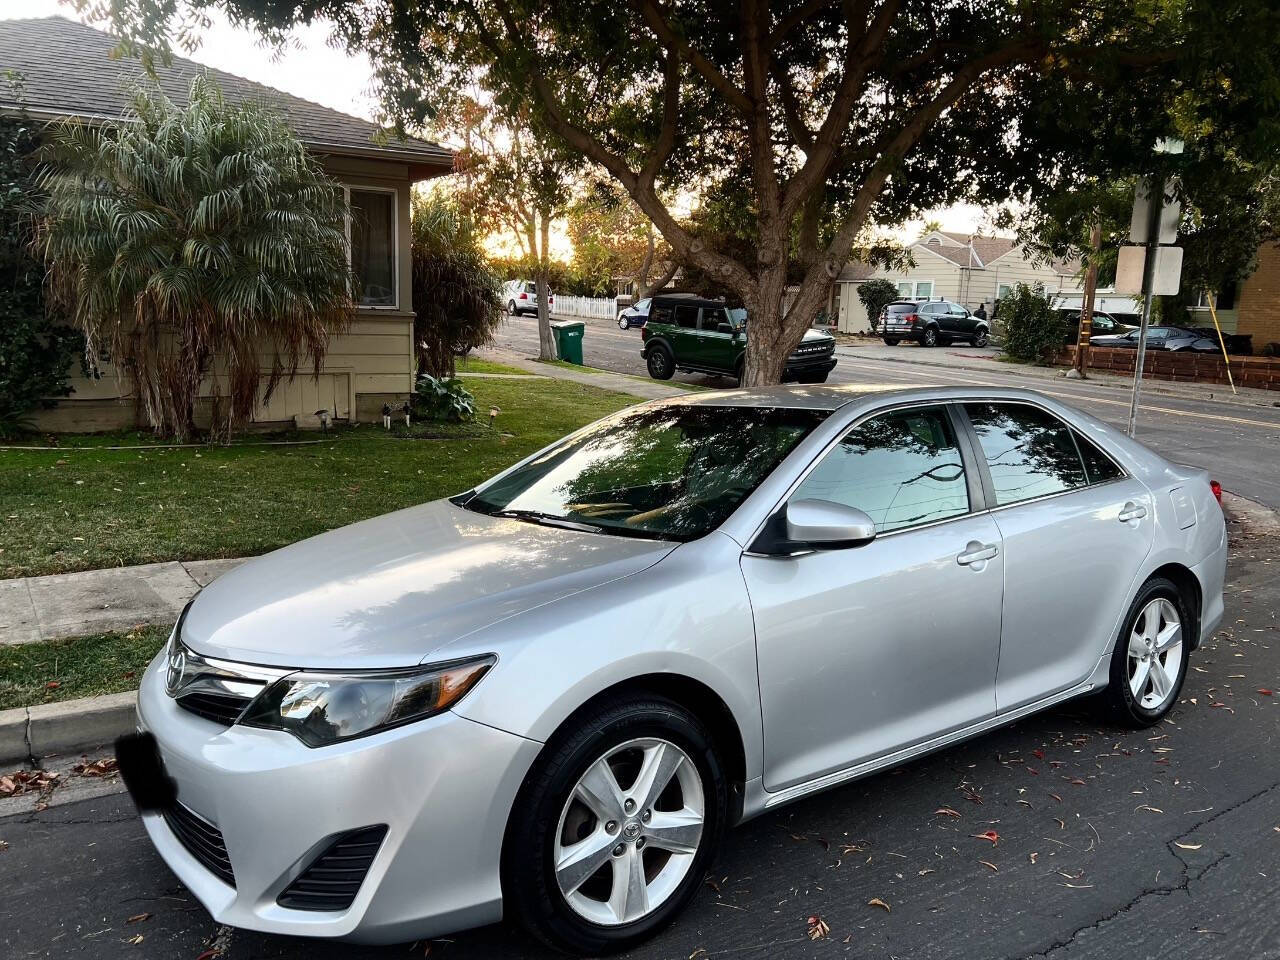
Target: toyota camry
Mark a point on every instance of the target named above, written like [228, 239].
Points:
[548, 697]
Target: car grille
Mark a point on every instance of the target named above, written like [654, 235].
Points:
[202, 840]
[809, 351]
[220, 708]
[333, 879]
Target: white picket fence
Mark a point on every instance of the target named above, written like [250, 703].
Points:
[594, 307]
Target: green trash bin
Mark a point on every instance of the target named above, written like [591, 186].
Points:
[568, 334]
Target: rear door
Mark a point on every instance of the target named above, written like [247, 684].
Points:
[1075, 530]
[684, 336]
[869, 650]
[715, 335]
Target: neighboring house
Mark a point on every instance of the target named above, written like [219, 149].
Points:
[65, 70]
[1250, 307]
[951, 266]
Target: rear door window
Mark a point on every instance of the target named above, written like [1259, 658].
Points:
[712, 317]
[687, 316]
[1029, 452]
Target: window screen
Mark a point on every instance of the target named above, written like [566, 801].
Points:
[1029, 453]
[901, 468]
[373, 246]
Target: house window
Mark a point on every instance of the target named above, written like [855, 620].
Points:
[904, 288]
[1004, 291]
[373, 246]
[924, 289]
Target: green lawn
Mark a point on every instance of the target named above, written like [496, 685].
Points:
[33, 673]
[481, 365]
[83, 506]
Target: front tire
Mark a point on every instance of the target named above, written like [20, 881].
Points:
[1149, 662]
[930, 338]
[979, 339]
[614, 826]
[661, 364]
[623, 322]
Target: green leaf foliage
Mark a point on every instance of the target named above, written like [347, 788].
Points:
[875, 295]
[197, 244]
[1032, 328]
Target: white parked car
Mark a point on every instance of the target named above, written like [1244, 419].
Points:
[547, 697]
[521, 297]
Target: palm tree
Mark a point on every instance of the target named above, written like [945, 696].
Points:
[457, 298]
[195, 243]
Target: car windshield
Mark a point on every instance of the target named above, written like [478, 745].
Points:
[672, 472]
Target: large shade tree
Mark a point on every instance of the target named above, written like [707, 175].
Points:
[195, 243]
[829, 115]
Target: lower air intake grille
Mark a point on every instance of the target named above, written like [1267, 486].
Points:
[202, 840]
[334, 877]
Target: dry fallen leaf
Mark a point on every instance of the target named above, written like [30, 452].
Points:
[1034, 856]
[877, 902]
[988, 835]
[1143, 806]
[945, 812]
[1265, 692]
[1188, 846]
[138, 918]
[988, 863]
[818, 928]
[134, 940]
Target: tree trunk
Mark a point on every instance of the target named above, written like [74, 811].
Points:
[770, 336]
[1086, 303]
[546, 342]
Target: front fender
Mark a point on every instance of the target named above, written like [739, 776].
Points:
[688, 615]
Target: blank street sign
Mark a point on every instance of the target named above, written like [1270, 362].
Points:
[1169, 216]
[1168, 272]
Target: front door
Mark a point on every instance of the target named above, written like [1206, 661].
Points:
[718, 349]
[1076, 531]
[867, 650]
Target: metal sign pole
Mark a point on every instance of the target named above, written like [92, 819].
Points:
[1155, 206]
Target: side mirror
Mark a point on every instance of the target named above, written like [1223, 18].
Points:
[815, 525]
[724, 328]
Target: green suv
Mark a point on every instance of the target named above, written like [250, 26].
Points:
[705, 336]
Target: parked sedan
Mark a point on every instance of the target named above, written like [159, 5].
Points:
[634, 315]
[1159, 338]
[547, 698]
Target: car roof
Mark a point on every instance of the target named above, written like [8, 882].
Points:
[834, 396]
[689, 299]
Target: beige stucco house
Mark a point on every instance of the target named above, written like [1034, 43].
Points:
[951, 266]
[65, 70]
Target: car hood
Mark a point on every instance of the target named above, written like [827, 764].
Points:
[389, 591]
[812, 334]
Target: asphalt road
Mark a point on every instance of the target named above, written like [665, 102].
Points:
[1155, 843]
[1239, 444]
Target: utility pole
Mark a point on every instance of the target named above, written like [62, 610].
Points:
[1086, 308]
[1155, 206]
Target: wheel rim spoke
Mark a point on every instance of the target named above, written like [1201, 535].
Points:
[677, 832]
[1138, 683]
[1137, 645]
[599, 790]
[1160, 682]
[583, 859]
[629, 897]
[661, 762]
[1170, 635]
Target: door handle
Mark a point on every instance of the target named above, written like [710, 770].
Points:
[976, 552]
[1131, 511]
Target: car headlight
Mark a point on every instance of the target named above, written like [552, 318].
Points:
[320, 708]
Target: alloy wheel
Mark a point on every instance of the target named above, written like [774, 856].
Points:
[1155, 654]
[628, 833]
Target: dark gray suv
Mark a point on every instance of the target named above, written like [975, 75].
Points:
[931, 323]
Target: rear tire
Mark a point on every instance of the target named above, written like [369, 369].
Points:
[892, 341]
[661, 364]
[930, 337]
[1149, 662]
[511, 308]
[550, 817]
[623, 322]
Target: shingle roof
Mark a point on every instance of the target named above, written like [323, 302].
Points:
[65, 70]
[986, 249]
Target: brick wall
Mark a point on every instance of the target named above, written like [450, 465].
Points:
[1261, 372]
[1258, 302]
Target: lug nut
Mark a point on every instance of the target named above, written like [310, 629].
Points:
[619, 850]
[629, 805]
[646, 816]
[639, 842]
[611, 826]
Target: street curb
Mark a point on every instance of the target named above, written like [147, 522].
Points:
[30, 733]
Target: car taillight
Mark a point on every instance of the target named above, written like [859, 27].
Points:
[644, 333]
[1216, 487]
[524, 296]
[911, 320]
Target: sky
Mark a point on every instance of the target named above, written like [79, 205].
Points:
[313, 69]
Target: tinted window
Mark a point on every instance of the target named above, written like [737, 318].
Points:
[931, 308]
[900, 308]
[900, 468]
[674, 472]
[686, 316]
[660, 313]
[1097, 465]
[1029, 452]
[958, 311]
[1155, 333]
[712, 317]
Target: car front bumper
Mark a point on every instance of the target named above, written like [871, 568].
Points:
[443, 787]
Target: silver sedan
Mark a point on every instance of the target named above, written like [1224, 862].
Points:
[547, 697]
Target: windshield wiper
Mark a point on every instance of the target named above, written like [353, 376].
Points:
[548, 519]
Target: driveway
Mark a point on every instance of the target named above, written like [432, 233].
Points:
[1059, 837]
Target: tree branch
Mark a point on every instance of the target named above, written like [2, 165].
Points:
[711, 73]
[796, 126]
[793, 19]
[666, 141]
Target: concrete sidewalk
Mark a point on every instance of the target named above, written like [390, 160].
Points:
[100, 601]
